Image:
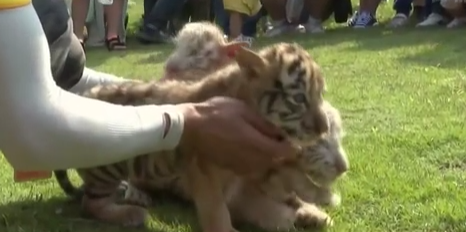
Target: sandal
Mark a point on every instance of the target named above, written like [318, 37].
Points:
[115, 44]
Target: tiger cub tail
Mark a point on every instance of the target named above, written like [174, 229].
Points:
[76, 193]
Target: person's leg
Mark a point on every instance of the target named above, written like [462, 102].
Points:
[156, 21]
[179, 19]
[402, 7]
[276, 11]
[427, 8]
[402, 11]
[113, 18]
[148, 5]
[249, 28]
[419, 9]
[237, 10]
[317, 11]
[200, 10]
[365, 16]
[236, 22]
[436, 16]
[79, 10]
[221, 16]
[457, 11]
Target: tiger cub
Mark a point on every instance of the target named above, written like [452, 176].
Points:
[281, 81]
[311, 178]
[199, 47]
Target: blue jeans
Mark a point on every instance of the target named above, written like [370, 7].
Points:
[163, 11]
[250, 23]
[221, 16]
[403, 6]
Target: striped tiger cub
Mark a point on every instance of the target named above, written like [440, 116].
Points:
[311, 178]
[281, 81]
[199, 47]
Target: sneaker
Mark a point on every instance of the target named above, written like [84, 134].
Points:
[243, 38]
[351, 21]
[281, 27]
[313, 26]
[431, 20]
[398, 20]
[151, 34]
[365, 20]
[457, 22]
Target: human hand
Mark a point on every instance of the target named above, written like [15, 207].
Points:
[226, 132]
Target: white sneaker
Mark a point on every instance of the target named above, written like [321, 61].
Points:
[243, 38]
[281, 27]
[431, 20]
[398, 20]
[313, 26]
[457, 22]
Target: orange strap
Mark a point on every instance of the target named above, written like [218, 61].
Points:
[10, 4]
[25, 176]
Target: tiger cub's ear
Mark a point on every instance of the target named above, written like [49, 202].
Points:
[250, 62]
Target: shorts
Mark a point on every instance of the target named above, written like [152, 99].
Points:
[247, 7]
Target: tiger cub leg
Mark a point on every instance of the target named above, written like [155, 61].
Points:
[99, 202]
[272, 215]
[309, 215]
[206, 192]
[137, 194]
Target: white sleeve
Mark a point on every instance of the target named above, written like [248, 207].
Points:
[91, 78]
[43, 127]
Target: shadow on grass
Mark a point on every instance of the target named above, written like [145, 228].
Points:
[444, 47]
[60, 215]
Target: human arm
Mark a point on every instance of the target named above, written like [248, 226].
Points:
[43, 127]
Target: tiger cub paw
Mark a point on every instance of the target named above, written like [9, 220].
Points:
[132, 215]
[135, 196]
[107, 211]
[309, 216]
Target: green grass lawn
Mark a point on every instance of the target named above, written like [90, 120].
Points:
[403, 102]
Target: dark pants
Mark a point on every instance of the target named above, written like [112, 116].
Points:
[66, 54]
[405, 7]
[221, 16]
[162, 11]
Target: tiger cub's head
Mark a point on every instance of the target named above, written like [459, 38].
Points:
[326, 160]
[288, 85]
[200, 46]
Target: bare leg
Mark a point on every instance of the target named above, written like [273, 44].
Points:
[113, 16]
[455, 9]
[276, 11]
[365, 16]
[79, 10]
[236, 22]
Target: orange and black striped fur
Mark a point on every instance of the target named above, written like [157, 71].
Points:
[281, 81]
[270, 207]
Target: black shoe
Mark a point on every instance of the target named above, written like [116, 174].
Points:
[151, 34]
